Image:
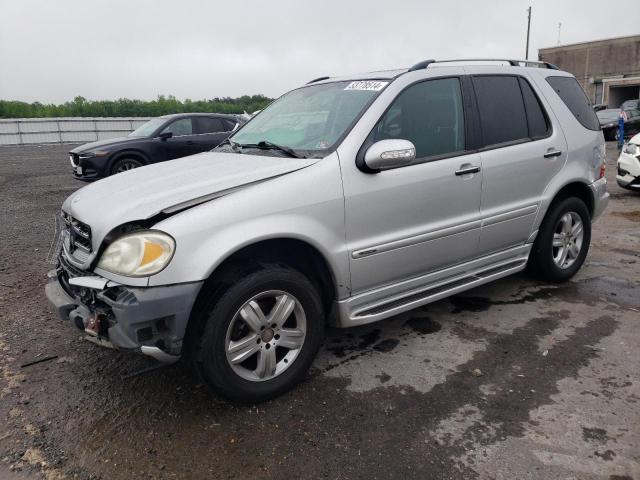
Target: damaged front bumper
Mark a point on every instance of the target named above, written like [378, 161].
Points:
[151, 320]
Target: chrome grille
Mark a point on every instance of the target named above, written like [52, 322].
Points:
[79, 235]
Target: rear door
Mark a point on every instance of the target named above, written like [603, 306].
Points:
[521, 150]
[419, 218]
[210, 132]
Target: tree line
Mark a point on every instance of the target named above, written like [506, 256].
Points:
[123, 107]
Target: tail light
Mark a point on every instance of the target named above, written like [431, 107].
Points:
[600, 157]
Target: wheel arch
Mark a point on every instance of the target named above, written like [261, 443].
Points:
[290, 251]
[293, 252]
[576, 189]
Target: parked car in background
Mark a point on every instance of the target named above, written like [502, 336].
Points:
[344, 202]
[628, 174]
[609, 122]
[631, 104]
[159, 139]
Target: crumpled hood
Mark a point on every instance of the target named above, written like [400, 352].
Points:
[144, 192]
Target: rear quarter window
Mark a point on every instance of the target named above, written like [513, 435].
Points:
[570, 92]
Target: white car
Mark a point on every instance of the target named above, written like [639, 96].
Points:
[628, 175]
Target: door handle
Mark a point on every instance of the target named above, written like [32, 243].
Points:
[552, 153]
[467, 169]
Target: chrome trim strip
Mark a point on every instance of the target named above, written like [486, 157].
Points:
[359, 318]
[361, 301]
[416, 239]
[471, 276]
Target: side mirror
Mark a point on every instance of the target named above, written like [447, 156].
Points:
[388, 154]
[165, 136]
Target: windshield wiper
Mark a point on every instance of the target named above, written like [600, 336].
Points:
[228, 141]
[265, 145]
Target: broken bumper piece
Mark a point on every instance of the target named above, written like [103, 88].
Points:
[151, 320]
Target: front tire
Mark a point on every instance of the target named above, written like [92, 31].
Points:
[124, 164]
[261, 335]
[563, 241]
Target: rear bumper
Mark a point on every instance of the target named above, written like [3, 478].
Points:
[150, 320]
[600, 197]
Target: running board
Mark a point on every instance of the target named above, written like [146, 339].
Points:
[448, 287]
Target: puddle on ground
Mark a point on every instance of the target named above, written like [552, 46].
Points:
[423, 325]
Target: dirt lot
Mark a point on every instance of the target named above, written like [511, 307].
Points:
[512, 380]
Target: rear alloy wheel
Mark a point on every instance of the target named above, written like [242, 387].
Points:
[125, 164]
[567, 240]
[562, 242]
[260, 335]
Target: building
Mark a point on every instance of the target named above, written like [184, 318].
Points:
[608, 70]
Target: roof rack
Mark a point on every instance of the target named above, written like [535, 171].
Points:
[512, 62]
[318, 79]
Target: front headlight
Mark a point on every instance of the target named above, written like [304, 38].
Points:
[138, 254]
[632, 149]
[94, 153]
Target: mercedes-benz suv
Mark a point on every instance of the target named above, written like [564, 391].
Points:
[346, 201]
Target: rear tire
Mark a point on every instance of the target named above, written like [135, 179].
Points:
[563, 241]
[124, 164]
[260, 335]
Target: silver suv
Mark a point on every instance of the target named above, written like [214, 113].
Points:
[346, 201]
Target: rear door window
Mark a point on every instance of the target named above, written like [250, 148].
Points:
[570, 92]
[503, 118]
[536, 117]
[430, 115]
[209, 125]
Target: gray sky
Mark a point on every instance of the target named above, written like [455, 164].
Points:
[53, 50]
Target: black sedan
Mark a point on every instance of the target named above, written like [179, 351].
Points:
[159, 139]
[609, 122]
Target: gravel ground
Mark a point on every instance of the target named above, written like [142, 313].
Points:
[511, 380]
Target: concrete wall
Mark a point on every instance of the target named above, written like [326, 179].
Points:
[23, 131]
[616, 60]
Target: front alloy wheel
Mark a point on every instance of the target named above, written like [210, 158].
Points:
[125, 164]
[266, 335]
[258, 332]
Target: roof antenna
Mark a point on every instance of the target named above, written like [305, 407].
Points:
[526, 55]
[559, 29]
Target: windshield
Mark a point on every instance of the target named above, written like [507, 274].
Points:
[608, 115]
[312, 119]
[147, 129]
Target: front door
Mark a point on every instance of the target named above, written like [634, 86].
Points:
[182, 142]
[413, 220]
